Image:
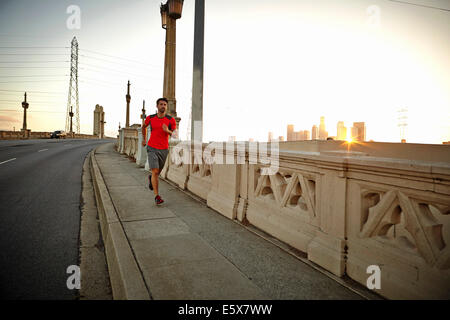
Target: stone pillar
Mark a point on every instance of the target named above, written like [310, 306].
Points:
[141, 156]
[147, 166]
[169, 69]
[128, 97]
[122, 140]
[98, 118]
[197, 77]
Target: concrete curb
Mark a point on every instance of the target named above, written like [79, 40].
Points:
[126, 279]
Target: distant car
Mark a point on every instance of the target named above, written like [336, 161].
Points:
[58, 134]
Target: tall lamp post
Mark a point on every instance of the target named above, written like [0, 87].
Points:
[71, 116]
[170, 12]
[25, 107]
[143, 116]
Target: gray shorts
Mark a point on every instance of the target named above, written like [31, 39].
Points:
[156, 157]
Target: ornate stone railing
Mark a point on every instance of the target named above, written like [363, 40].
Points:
[347, 207]
[347, 210]
[128, 142]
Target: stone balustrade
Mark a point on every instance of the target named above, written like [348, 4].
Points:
[128, 141]
[348, 207]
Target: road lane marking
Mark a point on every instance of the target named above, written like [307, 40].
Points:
[8, 160]
[42, 150]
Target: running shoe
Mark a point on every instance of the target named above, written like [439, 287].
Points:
[158, 200]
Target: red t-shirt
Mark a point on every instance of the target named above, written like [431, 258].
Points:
[158, 138]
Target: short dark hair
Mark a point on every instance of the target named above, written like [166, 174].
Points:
[162, 99]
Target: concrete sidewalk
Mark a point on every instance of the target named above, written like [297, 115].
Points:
[185, 250]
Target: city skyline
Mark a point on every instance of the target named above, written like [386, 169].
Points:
[357, 132]
[333, 61]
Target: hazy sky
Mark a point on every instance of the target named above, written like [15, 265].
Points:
[267, 64]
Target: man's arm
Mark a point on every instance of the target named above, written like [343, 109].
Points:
[173, 126]
[144, 133]
[166, 129]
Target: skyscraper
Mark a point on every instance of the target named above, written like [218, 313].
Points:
[361, 135]
[290, 132]
[306, 135]
[270, 137]
[323, 134]
[314, 132]
[354, 133]
[341, 131]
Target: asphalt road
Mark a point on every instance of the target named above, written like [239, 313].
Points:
[40, 191]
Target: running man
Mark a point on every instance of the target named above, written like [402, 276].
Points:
[161, 126]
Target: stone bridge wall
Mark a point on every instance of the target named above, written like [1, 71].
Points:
[382, 204]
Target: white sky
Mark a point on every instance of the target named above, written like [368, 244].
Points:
[267, 64]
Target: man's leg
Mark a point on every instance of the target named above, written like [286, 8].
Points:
[155, 177]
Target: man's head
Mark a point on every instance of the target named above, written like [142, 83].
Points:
[161, 105]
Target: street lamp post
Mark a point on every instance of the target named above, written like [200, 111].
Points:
[102, 128]
[25, 107]
[71, 116]
[170, 12]
[143, 116]
[128, 99]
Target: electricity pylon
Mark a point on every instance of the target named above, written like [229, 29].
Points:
[72, 99]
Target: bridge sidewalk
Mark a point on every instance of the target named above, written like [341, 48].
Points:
[185, 250]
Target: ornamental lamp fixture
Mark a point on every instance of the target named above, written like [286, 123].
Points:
[175, 8]
[164, 10]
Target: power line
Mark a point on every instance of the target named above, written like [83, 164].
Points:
[107, 55]
[30, 101]
[25, 36]
[31, 67]
[5, 110]
[116, 63]
[154, 67]
[34, 47]
[46, 92]
[125, 73]
[33, 61]
[111, 85]
[420, 5]
[19, 98]
[30, 81]
[33, 54]
[41, 75]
